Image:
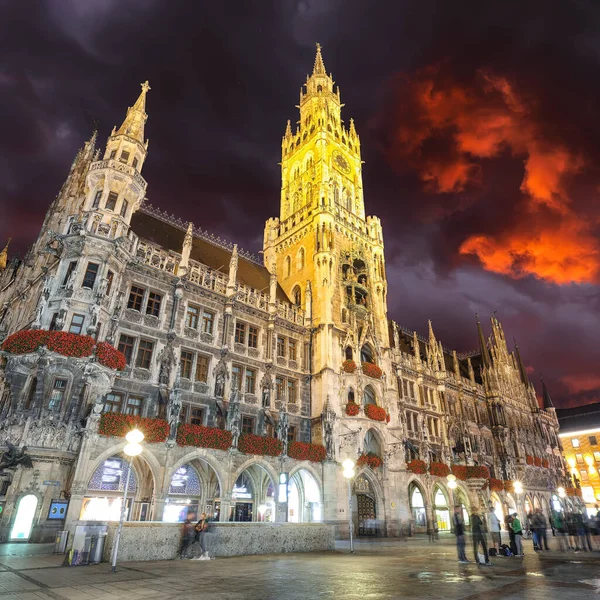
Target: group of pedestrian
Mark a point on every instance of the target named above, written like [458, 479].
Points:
[577, 531]
[194, 534]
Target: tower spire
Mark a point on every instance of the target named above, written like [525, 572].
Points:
[319, 67]
[520, 365]
[133, 125]
[485, 355]
[546, 400]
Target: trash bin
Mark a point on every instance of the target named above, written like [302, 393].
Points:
[60, 544]
[97, 548]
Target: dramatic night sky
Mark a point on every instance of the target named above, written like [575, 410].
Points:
[479, 126]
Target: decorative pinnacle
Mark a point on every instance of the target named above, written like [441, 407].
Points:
[319, 68]
[146, 86]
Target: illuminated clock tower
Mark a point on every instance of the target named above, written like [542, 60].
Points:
[327, 256]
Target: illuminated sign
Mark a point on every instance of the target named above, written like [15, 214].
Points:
[240, 492]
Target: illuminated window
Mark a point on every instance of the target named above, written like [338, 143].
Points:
[134, 406]
[58, 393]
[202, 368]
[112, 402]
[575, 443]
[597, 457]
[579, 458]
[250, 381]
[192, 316]
[76, 324]
[583, 474]
[252, 337]
[208, 319]
[187, 359]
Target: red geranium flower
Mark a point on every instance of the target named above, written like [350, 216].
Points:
[376, 413]
[439, 469]
[417, 466]
[371, 370]
[370, 459]
[348, 366]
[352, 409]
[303, 451]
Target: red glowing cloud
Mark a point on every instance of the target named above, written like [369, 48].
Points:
[449, 133]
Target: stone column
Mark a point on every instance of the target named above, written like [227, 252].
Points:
[158, 506]
[226, 504]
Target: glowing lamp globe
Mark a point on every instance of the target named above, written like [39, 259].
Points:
[132, 449]
[348, 464]
[561, 492]
[348, 473]
[135, 436]
[518, 487]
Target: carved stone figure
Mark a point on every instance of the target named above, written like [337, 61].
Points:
[233, 412]
[235, 436]
[166, 360]
[282, 430]
[221, 375]
[173, 412]
[13, 457]
[266, 386]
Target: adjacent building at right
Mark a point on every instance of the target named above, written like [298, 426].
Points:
[580, 437]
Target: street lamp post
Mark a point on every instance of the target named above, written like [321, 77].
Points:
[132, 448]
[451, 478]
[349, 473]
[518, 487]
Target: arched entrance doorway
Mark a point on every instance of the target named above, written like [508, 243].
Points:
[23, 523]
[304, 498]
[104, 496]
[461, 500]
[366, 507]
[417, 508]
[194, 489]
[442, 509]
[253, 496]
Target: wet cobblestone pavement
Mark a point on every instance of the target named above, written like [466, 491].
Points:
[379, 569]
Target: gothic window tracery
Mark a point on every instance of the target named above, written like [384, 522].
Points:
[288, 266]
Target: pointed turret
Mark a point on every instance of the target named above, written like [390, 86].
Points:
[485, 355]
[546, 400]
[133, 125]
[4, 256]
[456, 365]
[319, 67]
[416, 348]
[520, 365]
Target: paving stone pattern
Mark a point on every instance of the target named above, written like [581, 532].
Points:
[380, 569]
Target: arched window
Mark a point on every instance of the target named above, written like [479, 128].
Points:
[417, 505]
[297, 296]
[371, 444]
[442, 511]
[344, 315]
[185, 481]
[308, 193]
[369, 396]
[300, 259]
[350, 395]
[348, 201]
[366, 354]
[295, 203]
[336, 193]
[288, 266]
[319, 88]
[349, 353]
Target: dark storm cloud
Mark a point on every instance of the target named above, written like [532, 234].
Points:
[225, 78]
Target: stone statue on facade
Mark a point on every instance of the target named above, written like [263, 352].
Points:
[221, 375]
[328, 418]
[282, 430]
[233, 411]
[39, 313]
[13, 457]
[266, 386]
[166, 360]
[235, 436]
[173, 412]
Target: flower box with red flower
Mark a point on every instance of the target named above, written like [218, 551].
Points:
[460, 472]
[417, 466]
[438, 469]
[478, 472]
[571, 491]
[370, 459]
[64, 343]
[376, 413]
[371, 370]
[509, 486]
[352, 409]
[537, 461]
[545, 463]
[496, 485]
[262, 446]
[348, 366]
[304, 451]
[119, 425]
[203, 437]
[529, 459]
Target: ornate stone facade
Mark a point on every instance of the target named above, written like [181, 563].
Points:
[300, 347]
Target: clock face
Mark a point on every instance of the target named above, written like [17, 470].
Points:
[339, 160]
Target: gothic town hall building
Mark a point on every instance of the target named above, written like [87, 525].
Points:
[241, 371]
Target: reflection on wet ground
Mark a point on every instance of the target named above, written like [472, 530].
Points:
[379, 569]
